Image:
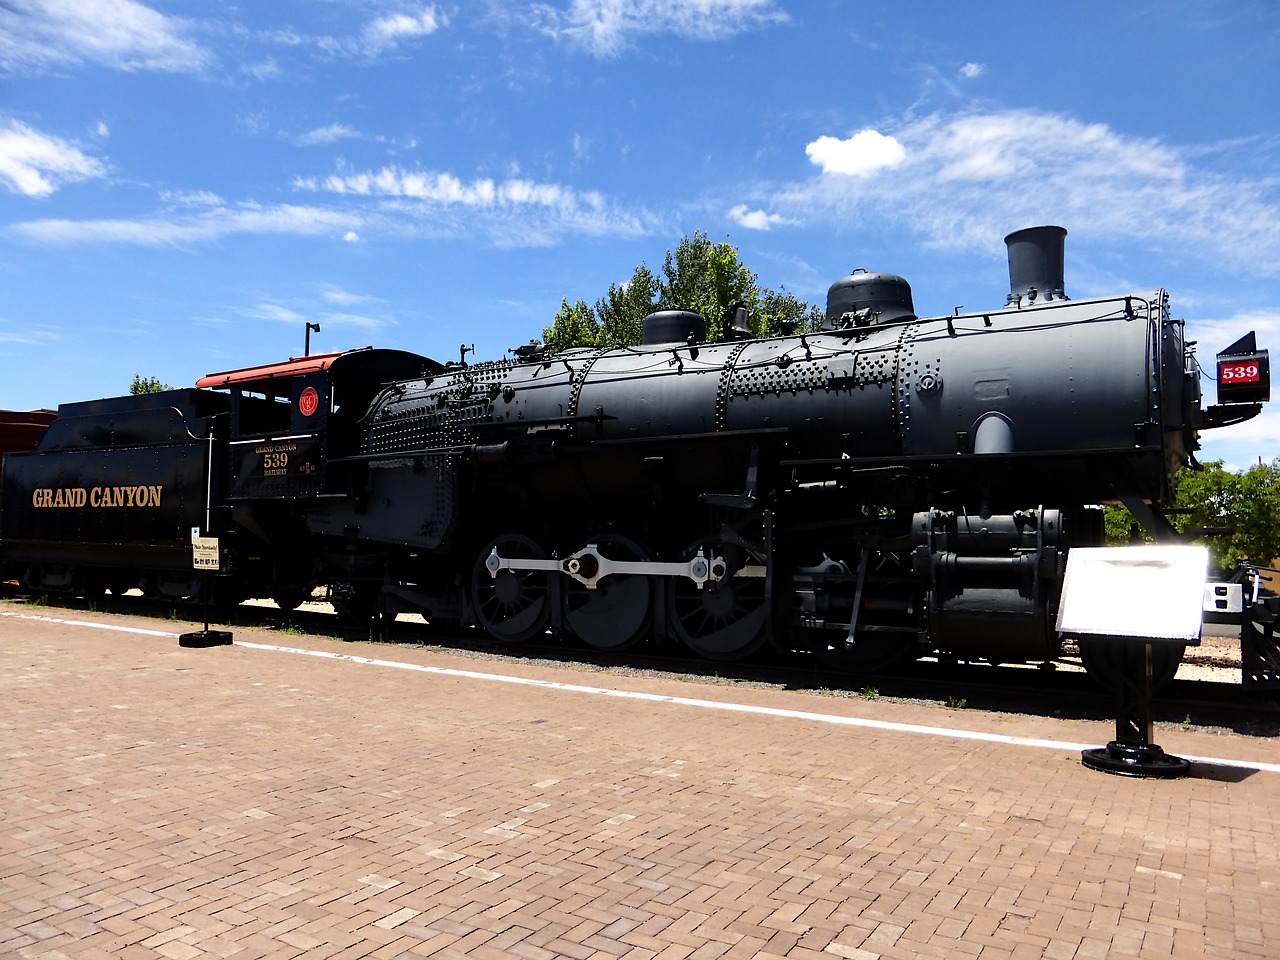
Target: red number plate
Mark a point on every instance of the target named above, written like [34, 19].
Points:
[1239, 372]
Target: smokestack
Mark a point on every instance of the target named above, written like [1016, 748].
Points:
[1036, 257]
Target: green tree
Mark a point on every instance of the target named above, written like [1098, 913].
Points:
[572, 326]
[708, 278]
[1247, 502]
[143, 385]
[780, 311]
[622, 310]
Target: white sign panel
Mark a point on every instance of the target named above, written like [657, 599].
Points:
[204, 553]
[1152, 592]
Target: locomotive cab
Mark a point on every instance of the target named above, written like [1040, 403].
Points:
[291, 420]
[294, 429]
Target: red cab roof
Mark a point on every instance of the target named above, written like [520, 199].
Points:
[293, 367]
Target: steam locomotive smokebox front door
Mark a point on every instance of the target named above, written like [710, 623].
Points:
[279, 448]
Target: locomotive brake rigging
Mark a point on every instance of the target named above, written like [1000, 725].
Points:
[885, 487]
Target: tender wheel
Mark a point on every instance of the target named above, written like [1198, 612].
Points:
[515, 605]
[617, 614]
[120, 583]
[726, 619]
[1107, 662]
[289, 599]
[355, 603]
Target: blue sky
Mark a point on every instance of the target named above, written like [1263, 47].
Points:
[185, 183]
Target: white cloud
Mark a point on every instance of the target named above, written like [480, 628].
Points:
[36, 164]
[353, 320]
[204, 227]
[390, 31]
[191, 198]
[971, 71]
[330, 134]
[511, 212]
[755, 219]
[267, 69]
[859, 156]
[606, 27]
[445, 188]
[305, 309]
[383, 35]
[27, 337]
[1241, 444]
[120, 34]
[331, 293]
[273, 312]
[1218, 333]
[959, 180]
[508, 213]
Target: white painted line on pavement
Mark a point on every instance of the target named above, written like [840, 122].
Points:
[886, 725]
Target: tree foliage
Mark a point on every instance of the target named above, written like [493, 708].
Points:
[1246, 502]
[708, 278]
[143, 385]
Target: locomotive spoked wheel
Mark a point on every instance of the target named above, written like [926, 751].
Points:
[515, 605]
[616, 615]
[726, 619]
[1107, 662]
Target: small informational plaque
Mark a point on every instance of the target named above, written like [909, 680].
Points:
[1152, 593]
[204, 553]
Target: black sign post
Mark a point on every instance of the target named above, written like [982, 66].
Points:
[205, 558]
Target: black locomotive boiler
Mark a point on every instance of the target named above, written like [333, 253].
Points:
[882, 488]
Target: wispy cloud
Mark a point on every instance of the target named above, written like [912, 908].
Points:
[190, 229]
[391, 202]
[325, 310]
[512, 212]
[36, 164]
[383, 35]
[1215, 333]
[39, 35]
[390, 31]
[274, 312]
[324, 135]
[607, 27]
[959, 180]
[331, 293]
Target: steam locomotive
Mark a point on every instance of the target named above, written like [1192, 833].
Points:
[882, 488]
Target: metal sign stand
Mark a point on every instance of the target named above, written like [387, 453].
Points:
[205, 558]
[1131, 753]
[1134, 597]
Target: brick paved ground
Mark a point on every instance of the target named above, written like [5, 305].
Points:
[240, 802]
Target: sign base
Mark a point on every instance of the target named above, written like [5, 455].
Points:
[205, 638]
[1135, 760]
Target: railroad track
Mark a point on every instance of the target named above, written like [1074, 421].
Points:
[1215, 699]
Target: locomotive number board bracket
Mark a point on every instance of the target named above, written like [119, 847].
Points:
[1244, 373]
